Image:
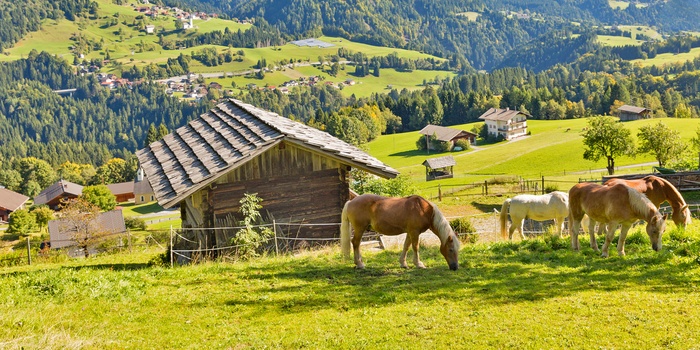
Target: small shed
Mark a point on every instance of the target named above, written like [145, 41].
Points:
[439, 168]
[301, 173]
[109, 225]
[628, 112]
[54, 194]
[10, 201]
[446, 134]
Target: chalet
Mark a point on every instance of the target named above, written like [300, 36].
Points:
[59, 191]
[10, 201]
[215, 85]
[439, 168]
[123, 191]
[301, 173]
[150, 29]
[450, 135]
[633, 113]
[506, 123]
[143, 193]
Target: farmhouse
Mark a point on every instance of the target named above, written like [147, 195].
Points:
[633, 113]
[123, 191]
[505, 123]
[445, 134]
[301, 173]
[10, 201]
[54, 194]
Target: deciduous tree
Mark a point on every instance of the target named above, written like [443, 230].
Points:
[606, 137]
[661, 141]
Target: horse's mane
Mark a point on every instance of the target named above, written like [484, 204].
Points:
[670, 191]
[441, 224]
[640, 204]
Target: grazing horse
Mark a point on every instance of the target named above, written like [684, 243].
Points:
[548, 206]
[613, 205]
[658, 190]
[394, 216]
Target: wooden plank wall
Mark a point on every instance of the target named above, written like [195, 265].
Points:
[296, 185]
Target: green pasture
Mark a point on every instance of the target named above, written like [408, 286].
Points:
[553, 150]
[470, 15]
[534, 294]
[610, 40]
[669, 58]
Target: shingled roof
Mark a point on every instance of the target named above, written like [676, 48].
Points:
[501, 114]
[444, 133]
[440, 162]
[226, 137]
[58, 189]
[632, 109]
[11, 200]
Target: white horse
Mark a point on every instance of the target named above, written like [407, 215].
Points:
[549, 206]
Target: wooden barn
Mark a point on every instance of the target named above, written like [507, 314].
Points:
[628, 112]
[54, 195]
[301, 173]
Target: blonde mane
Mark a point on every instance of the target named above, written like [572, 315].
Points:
[641, 205]
[442, 226]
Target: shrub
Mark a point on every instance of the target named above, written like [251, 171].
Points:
[462, 143]
[134, 223]
[249, 239]
[464, 228]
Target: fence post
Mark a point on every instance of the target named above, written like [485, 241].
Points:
[439, 193]
[542, 184]
[171, 246]
[29, 253]
[274, 230]
[486, 188]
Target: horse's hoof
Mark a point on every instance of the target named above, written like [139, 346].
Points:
[404, 266]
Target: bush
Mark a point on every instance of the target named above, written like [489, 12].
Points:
[465, 230]
[462, 143]
[134, 223]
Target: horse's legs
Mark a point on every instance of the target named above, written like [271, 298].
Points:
[402, 257]
[513, 226]
[609, 235]
[621, 240]
[575, 227]
[559, 222]
[415, 238]
[356, 240]
[591, 233]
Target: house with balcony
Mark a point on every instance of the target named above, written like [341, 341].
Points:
[506, 123]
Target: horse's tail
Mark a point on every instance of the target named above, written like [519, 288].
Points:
[504, 217]
[345, 231]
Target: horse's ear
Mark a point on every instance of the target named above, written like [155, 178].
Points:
[449, 239]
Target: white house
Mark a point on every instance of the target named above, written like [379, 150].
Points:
[507, 123]
[150, 29]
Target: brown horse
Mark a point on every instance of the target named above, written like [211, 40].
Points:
[658, 190]
[394, 216]
[613, 205]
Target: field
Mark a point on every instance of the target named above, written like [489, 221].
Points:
[668, 58]
[531, 294]
[553, 150]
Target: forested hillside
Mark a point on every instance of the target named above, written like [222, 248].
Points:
[92, 126]
[443, 29]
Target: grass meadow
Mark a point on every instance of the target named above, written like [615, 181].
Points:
[535, 293]
[554, 150]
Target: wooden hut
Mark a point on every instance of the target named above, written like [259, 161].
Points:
[55, 194]
[439, 168]
[628, 112]
[301, 173]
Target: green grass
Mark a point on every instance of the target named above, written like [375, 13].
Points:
[531, 294]
[609, 40]
[668, 58]
[621, 5]
[472, 16]
[551, 151]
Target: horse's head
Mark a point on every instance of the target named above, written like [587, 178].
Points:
[655, 229]
[450, 250]
[682, 216]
